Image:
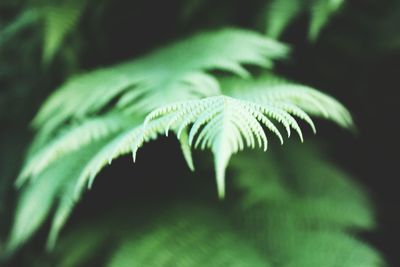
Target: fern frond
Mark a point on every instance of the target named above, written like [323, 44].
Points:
[39, 196]
[59, 20]
[34, 205]
[302, 199]
[298, 247]
[271, 89]
[222, 123]
[123, 143]
[226, 132]
[341, 201]
[73, 138]
[280, 13]
[187, 236]
[82, 152]
[173, 73]
[70, 253]
[227, 125]
[300, 183]
[321, 11]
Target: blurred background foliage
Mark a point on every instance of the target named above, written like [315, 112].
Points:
[284, 207]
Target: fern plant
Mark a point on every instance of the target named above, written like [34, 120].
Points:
[215, 89]
[227, 123]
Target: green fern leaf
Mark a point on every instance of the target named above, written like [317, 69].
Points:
[222, 123]
[34, 205]
[83, 151]
[227, 125]
[269, 89]
[173, 73]
[38, 197]
[197, 238]
[321, 10]
[60, 217]
[315, 193]
[304, 200]
[123, 143]
[70, 253]
[59, 20]
[341, 201]
[280, 13]
[76, 137]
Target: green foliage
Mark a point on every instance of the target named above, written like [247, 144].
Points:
[215, 90]
[302, 186]
[196, 234]
[280, 13]
[320, 13]
[303, 200]
[283, 94]
[59, 20]
[72, 138]
[56, 183]
[89, 94]
[277, 220]
[225, 124]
